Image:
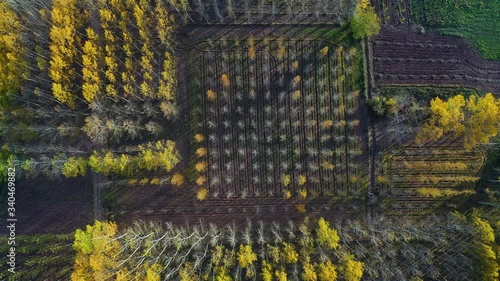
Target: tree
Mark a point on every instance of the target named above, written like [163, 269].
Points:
[63, 36]
[177, 179]
[246, 256]
[281, 275]
[91, 87]
[74, 167]
[12, 65]
[289, 254]
[365, 21]
[476, 119]
[327, 236]
[96, 248]
[201, 152]
[202, 194]
[353, 269]
[308, 273]
[267, 271]
[327, 271]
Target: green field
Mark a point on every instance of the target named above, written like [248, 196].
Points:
[476, 20]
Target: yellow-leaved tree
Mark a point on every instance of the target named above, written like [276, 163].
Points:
[91, 87]
[326, 235]
[97, 249]
[12, 70]
[476, 119]
[63, 50]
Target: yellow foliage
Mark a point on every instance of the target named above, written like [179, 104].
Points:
[289, 253]
[63, 49]
[202, 194]
[477, 119]
[308, 273]
[177, 179]
[251, 53]
[201, 180]
[225, 80]
[297, 79]
[211, 95]
[382, 179]
[288, 194]
[281, 52]
[202, 151]
[327, 124]
[199, 138]
[296, 95]
[246, 256]
[286, 180]
[200, 166]
[327, 165]
[97, 249]
[281, 275]
[324, 51]
[303, 193]
[443, 192]
[327, 271]
[267, 271]
[153, 272]
[185, 272]
[301, 208]
[327, 236]
[483, 230]
[295, 64]
[12, 65]
[302, 180]
[353, 270]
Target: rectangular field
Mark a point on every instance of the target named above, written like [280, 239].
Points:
[278, 116]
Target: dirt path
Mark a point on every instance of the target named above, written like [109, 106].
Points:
[97, 183]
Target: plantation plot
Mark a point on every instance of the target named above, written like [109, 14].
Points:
[277, 117]
[420, 179]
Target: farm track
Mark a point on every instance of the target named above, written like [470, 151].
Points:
[403, 57]
[239, 210]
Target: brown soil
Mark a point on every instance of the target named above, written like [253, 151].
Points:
[179, 205]
[51, 206]
[402, 56]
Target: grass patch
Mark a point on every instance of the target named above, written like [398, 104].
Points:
[476, 20]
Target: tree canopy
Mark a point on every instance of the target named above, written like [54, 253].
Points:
[476, 119]
[365, 21]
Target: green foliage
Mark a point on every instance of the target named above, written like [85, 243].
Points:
[381, 105]
[476, 20]
[365, 21]
[74, 167]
